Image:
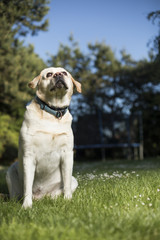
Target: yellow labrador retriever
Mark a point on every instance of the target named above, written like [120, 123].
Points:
[46, 141]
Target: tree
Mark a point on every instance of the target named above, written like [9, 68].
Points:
[114, 87]
[23, 65]
[140, 89]
[105, 68]
[19, 65]
[155, 17]
[19, 17]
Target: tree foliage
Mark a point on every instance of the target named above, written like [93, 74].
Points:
[114, 86]
[19, 64]
[19, 17]
[110, 85]
[155, 18]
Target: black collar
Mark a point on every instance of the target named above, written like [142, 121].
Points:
[57, 112]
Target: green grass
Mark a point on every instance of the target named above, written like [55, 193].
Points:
[116, 200]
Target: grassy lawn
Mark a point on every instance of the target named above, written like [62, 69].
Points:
[115, 200]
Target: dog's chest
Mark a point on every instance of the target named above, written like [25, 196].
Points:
[51, 144]
[49, 151]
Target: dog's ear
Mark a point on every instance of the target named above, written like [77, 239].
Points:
[34, 82]
[77, 85]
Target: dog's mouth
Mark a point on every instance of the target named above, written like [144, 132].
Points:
[59, 85]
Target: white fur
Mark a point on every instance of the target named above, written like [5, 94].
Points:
[45, 145]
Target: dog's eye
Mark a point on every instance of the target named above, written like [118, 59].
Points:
[49, 74]
[64, 73]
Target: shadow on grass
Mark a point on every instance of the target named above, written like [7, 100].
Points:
[89, 166]
[3, 184]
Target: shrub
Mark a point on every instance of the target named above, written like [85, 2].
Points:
[8, 138]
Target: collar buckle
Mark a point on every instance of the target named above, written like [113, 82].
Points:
[59, 115]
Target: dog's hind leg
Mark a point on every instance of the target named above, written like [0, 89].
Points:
[58, 189]
[13, 183]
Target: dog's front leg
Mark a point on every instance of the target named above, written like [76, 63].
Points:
[28, 177]
[67, 167]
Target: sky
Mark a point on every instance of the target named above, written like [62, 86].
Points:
[121, 24]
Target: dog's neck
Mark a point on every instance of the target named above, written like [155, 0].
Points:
[57, 112]
[58, 101]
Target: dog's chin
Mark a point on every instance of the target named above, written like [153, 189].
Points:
[59, 86]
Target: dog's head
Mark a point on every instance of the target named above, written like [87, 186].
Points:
[55, 85]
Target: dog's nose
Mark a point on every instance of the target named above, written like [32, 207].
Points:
[58, 74]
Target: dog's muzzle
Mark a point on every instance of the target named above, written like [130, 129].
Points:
[59, 82]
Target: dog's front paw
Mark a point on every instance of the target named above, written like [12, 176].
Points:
[27, 203]
[68, 196]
